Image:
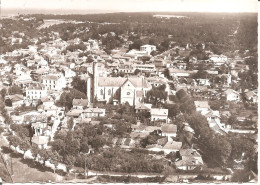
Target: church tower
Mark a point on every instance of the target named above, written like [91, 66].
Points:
[95, 81]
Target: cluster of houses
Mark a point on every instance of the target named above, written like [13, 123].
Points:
[44, 71]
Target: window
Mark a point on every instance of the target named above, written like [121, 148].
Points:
[101, 92]
[128, 93]
[109, 91]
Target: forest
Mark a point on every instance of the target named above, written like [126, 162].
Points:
[219, 32]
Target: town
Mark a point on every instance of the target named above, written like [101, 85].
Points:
[99, 99]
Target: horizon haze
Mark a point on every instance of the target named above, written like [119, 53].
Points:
[9, 7]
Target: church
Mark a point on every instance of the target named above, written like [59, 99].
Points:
[116, 90]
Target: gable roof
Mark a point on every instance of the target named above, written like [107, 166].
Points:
[169, 128]
[191, 161]
[212, 113]
[159, 111]
[40, 140]
[174, 145]
[74, 112]
[143, 106]
[189, 152]
[93, 110]
[201, 104]
[16, 97]
[47, 99]
[118, 82]
[80, 102]
[231, 91]
[36, 86]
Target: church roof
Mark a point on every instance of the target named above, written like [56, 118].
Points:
[118, 82]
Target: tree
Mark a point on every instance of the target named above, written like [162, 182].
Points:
[24, 145]
[35, 151]
[15, 90]
[66, 98]
[69, 161]
[84, 145]
[173, 109]
[137, 71]
[157, 95]
[55, 158]
[3, 92]
[97, 142]
[200, 74]
[181, 95]
[70, 123]
[8, 103]
[13, 140]
[80, 85]
[44, 154]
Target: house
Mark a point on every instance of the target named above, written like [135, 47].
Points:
[54, 82]
[16, 99]
[167, 145]
[143, 107]
[175, 73]
[35, 92]
[145, 67]
[79, 103]
[40, 141]
[251, 96]
[189, 159]
[47, 101]
[202, 106]
[212, 116]
[204, 82]
[232, 95]
[34, 117]
[159, 114]
[148, 48]
[218, 60]
[169, 130]
[50, 110]
[157, 81]
[93, 112]
[38, 128]
[75, 113]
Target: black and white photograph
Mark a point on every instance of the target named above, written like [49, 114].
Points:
[128, 91]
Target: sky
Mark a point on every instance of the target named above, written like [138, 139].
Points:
[77, 6]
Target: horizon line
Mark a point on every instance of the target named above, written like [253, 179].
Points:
[101, 11]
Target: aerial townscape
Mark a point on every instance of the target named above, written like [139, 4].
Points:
[129, 98]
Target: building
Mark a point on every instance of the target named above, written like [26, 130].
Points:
[166, 144]
[116, 89]
[93, 112]
[145, 67]
[190, 159]
[251, 96]
[35, 92]
[159, 114]
[169, 130]
[202, 106]
[148, 48]
[232, 95]
[54, 82]
[79, 103]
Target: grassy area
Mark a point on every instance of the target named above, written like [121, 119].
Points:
[25, 170]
